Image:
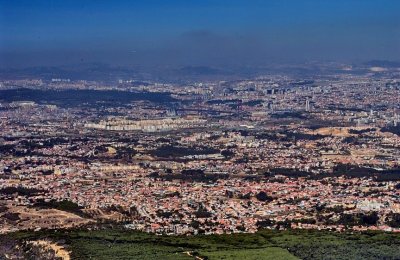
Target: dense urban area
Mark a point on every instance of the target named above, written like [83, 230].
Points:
[215, 157]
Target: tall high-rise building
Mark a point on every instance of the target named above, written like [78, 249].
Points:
[307, 105]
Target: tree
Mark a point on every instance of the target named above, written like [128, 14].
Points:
[262, 196]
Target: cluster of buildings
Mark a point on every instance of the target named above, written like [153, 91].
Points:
[153, 125]
[269, 152]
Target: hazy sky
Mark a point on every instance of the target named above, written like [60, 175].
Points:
[189, 32]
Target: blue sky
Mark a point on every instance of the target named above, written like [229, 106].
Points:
[189, 32]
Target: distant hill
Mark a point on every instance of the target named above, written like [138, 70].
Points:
[72, 97]
[199, 70]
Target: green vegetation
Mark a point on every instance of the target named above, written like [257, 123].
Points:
[178, 151]
[21, 191]
[86, 97]
[392, 129]
[347, 170]
[64, 205]
[269, 253]
[266, 244]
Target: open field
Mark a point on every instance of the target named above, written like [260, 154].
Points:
[266, 244]
[22, 218]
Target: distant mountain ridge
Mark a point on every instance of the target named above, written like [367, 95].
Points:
[383, 63]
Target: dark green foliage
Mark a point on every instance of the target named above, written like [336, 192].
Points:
[22, 191]
[125, 152]
[262, 196]
[351, 140]
[220, 101]
[265, 223]
[288, 136]
[364, 219]
[288, 114]
[301, 136]
[227, 153]
[362, 131]
[64, 205]
[6, 148]
[178, 151]
[355, 171]
[196, 175]
[72, 97]
[202, 213]
[292, 173]
[192, 172]
[265, 244]
[164, 214]
[11, 216]
[253, 103]
[392, 129]
[393, 220]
